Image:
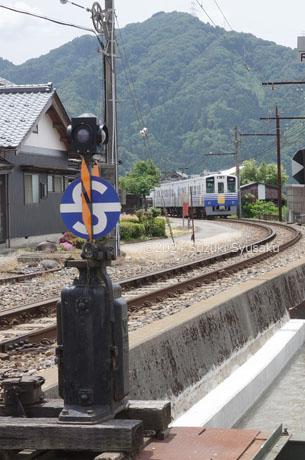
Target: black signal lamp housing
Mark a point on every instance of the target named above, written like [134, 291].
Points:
[86, 134]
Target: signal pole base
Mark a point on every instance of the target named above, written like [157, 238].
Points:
[90, 414]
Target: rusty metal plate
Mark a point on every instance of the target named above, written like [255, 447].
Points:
[200, 444]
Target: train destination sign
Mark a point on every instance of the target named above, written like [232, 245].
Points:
[106, 208]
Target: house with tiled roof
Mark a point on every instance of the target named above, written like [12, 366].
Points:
[34, 169]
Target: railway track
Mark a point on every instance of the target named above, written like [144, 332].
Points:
[19, 277]
[153, 287]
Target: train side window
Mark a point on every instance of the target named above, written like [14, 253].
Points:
[231, 184]
[210, 188]
[221, 187]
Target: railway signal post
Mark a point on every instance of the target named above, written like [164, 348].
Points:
[92, 338]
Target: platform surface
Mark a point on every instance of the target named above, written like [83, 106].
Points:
[205, 444]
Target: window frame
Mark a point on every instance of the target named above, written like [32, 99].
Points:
[35, 189]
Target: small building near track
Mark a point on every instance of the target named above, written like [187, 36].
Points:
[34, 167]
[260, 191]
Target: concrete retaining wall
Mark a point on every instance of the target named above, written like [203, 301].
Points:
[184, 356]
[230, 400]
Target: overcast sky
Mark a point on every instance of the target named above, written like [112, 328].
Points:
[23, 37]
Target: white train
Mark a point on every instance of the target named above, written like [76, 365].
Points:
[210, 195]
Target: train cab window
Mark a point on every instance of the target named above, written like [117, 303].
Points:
[210, 184]
[221, 187]
[231, 184]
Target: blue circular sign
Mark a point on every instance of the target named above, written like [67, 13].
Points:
[106, 208]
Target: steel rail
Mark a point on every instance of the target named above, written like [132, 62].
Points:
[27, 276]
[176, 269]
[211, 276]
[146, 278]
[157, 295]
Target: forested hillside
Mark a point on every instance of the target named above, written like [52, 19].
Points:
[194, 83]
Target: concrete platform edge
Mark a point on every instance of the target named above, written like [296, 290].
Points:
[200, 346]
[224, 405]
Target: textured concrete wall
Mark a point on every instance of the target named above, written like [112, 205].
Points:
[230, 400]
[184, 356]
[296, 200]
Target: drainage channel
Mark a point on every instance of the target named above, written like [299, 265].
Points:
[283, 402]
[264, 392]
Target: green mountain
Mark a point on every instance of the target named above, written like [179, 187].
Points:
[193, 83]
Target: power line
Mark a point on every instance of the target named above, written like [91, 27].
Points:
[46, 18]
[133, 92]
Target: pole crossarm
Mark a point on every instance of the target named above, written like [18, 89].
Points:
[282, 118]
[255, 134]
[218, 154]
[269, 83]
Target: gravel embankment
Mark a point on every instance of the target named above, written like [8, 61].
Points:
[42, 357]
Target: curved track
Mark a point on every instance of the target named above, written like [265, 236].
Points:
[164, 285]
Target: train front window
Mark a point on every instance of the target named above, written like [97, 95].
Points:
[221, 187]
[231, 184]
[210, 181]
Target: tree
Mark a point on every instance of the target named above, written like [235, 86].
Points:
[248, 172]
[265, 173]
[142, 179]
[262, 173]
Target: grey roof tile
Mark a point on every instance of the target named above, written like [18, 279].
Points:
[20, 107]
[4, 82]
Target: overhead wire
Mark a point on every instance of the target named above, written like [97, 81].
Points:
[132, 89]
[245, 65]
[46, 18]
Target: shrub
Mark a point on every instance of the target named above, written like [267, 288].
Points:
[158, 227]
[258, 209]
[130, 230]
[140, 214]
[133, 220]
[155, 212]
[129, 218]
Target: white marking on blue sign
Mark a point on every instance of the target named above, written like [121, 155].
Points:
[106, 208]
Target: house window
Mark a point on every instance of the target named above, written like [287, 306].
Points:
[56, 184]
[31, 188]
[50, 184]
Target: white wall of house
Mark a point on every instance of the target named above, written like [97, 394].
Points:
[47, 136]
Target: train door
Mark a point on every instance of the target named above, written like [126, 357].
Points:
[2, 209]
[221, 189]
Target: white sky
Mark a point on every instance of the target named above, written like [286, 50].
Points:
[23, 37]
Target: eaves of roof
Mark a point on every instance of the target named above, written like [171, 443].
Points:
[20, 109]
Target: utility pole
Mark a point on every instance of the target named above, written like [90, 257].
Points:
[278, 138]
[110, 94]
[236, 141]
[165, 172]
[278, 156]
[277, 118]
[279, 197]
[278, 151]
[104, 23]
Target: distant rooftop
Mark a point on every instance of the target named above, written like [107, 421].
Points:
[20, 108]
[4, 82]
